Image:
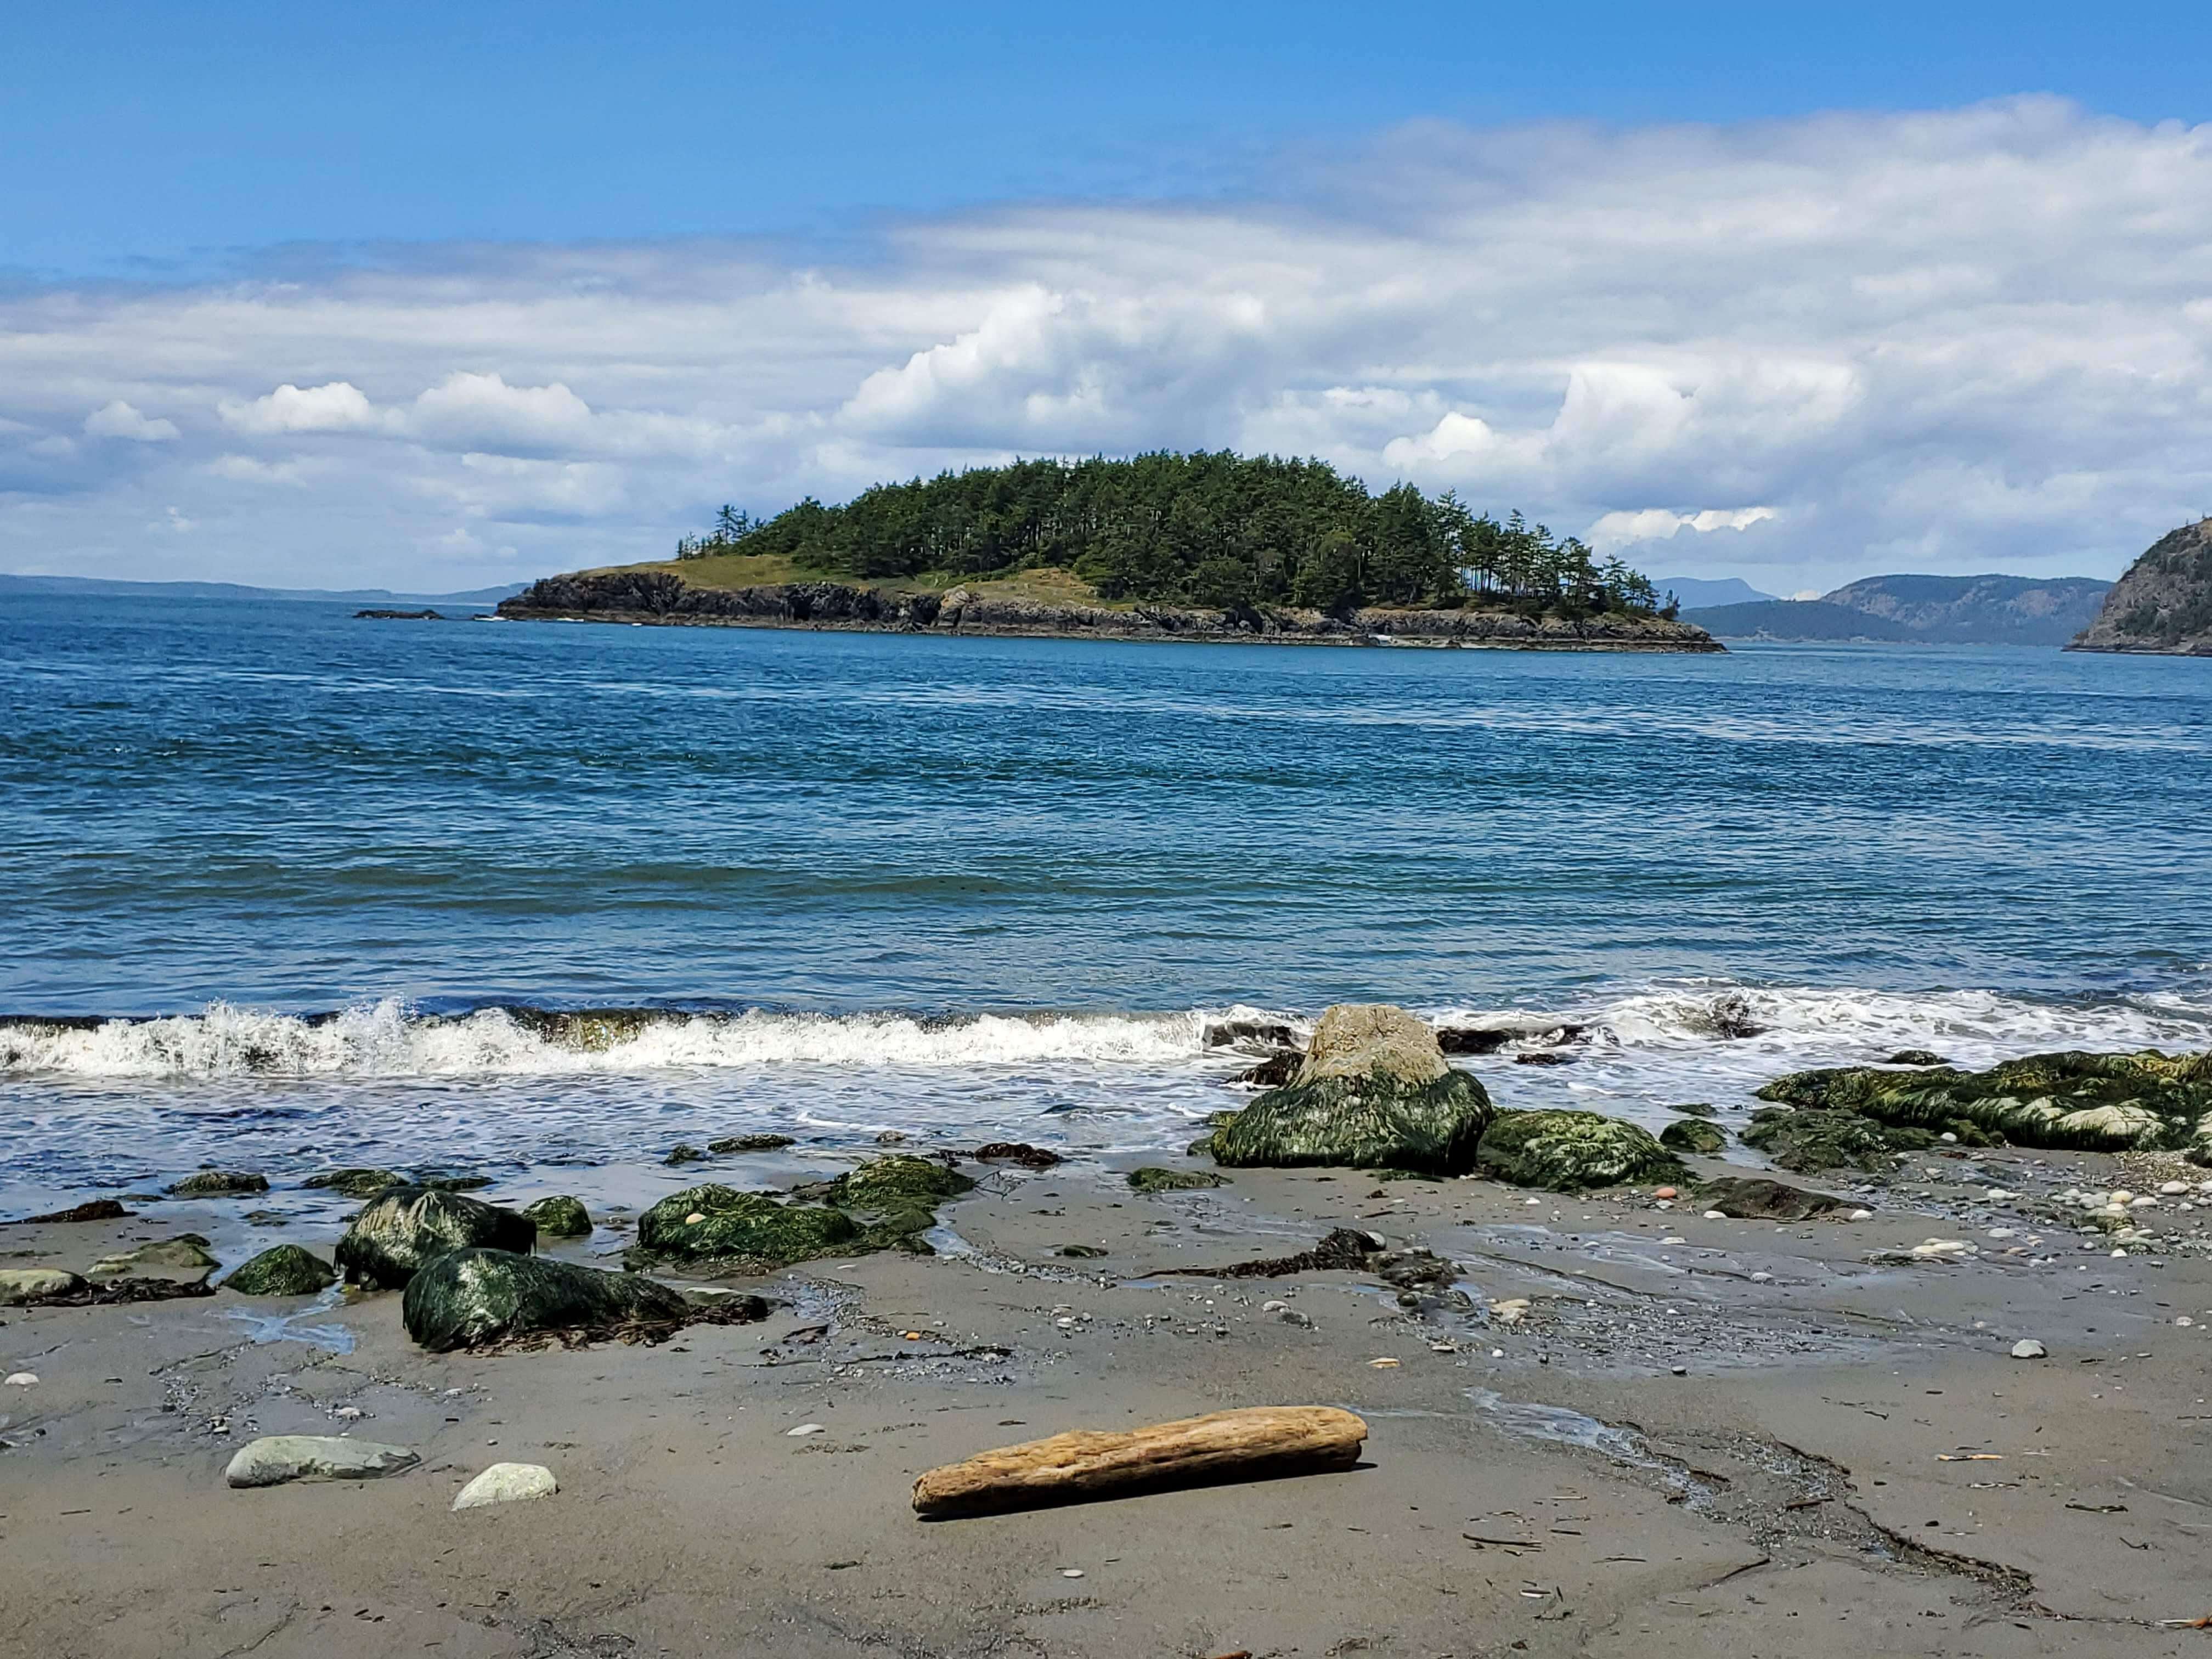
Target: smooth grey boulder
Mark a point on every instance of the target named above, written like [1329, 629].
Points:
[397, 1233]
[277, 1459]
[23, 1286]
[507, 1483]
[183, 1259]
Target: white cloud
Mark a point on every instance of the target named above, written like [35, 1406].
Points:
[118, 419]
[1966, 340]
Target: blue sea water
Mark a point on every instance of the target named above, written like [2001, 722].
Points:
[954, 886]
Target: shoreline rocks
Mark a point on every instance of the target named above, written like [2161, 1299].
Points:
[469, 1299]
[282, 1270]
[561, 1216]
[278, 1460]
[1571, 1150]
[403, 1229]
[219, 1184]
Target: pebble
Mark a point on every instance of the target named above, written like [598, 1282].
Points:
[1671, 1240]
[1071, 1572]
[2028, 1348]
[1275, 1307]
[1382, 1364]
[1862, 1215]
[22, 1379]
[1762, 1278]
[506, 1483]
[2173, 1189]
[804, 1429]
[1997, 1196]
[2183, 1320]
[1715, 1215]
[1948, 1138]
[347, 1412]
[1664, 1192]
[1680, 1370]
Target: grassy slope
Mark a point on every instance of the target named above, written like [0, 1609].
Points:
[1051, 585]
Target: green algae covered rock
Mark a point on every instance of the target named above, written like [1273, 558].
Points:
[466, 1299]
[1689, 1134]
[356, 1183]
[1811, 1139]
[286, 1270]
[219, 1184]
[2145, 1102]
[1565, 1151]
[750, 1143]
[897, 1184]
[1152, 1179]
[403, 1229]
[714, 1223]
[1374, 1091]
[560, 1216]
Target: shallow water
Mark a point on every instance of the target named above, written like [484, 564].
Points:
[974, 889]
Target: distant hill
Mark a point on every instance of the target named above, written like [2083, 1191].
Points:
[1978, 610]
[2164, 603]
[1702, 593]
[1795, 619]
[95, 587]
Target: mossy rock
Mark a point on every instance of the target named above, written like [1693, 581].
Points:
[1914, 1057]
[899, 1193]
[751, 1144]
[402, 1230]
[1152, 1179]
[560, 1216]
[1697, 1109]
[219, 1184]
[714, 1223]
[467, 1299]
[680, 1154]
[1373, 1122]
[1809, 1141]
[285, 1270]
[1693, 1135]
[2073, 1100]
[1566, 1152]
[356, 1183]
[444, 1180]
[1754, 1198]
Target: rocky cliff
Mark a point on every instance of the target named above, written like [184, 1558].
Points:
[654, 596]
[2164, 604]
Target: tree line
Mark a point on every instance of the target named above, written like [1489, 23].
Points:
[1218, 530]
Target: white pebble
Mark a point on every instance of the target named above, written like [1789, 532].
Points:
[1715, 1215]
[2173, 1189]
[1673, 1241]
[2028, 1348]
[805, 1428]
[2184, 1321]
[1862, 1215]
[1948, 1139]
[2119, 1252]
[1761, 1277]
[2119, 1195]
[21, 1379]
[1532, 1200]
[1071, 1572]
[1999, 1232]
[1997, 1196]
[507, 1483]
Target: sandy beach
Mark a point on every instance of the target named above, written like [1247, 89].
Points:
[1701, 1436]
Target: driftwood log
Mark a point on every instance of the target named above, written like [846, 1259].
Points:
[1254, 1443]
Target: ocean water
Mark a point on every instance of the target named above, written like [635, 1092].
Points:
[275, 882]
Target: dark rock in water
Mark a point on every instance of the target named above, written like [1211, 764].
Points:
[267, 1217]
[1373, 1091]
[1566, 1152]
[286, 1270]
[717, 1223]
[1544, 1057]
[397, 616]
[1273, 1072]
[1810, 1141]
[439, 1181]
[751, 1144]
[892, 1138]
[2144, 1101]
[1152, 1179]
[1696, 1108]
[683, 1154]
[1753, 1198]
[1730, 1017]
[1691, 1134]
[98, 1209]
[402, 1231]
[897, 1184]
[356, 1183]
[1915, 1057]
[1489, 1039]
[1080, 1252]
[1015, 1152]
[1260, 1033]
[219, 1184]
[468, 1298]
[560, 1216]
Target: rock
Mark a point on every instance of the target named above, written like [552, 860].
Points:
[1261, 1033]
[1811, 1139]
[892, 1138]
[560, 1216]
[23, 1286]
[1015, 1152]
[407, 1227]
[1696, 1108]
[276, 1459]
[1914, 1057]
[717, 1223]
[466, 1299]
[1691, 1134]
[1373, 1091]
[750, 1143]
[20, 1380]
[683, 1154]
[1730, 1017]
[219, 1184]
[1489, 1039]
[1081, 1252]
[1753, 1197]
[1544, 1057]
[507, 1483]
[2147, 1101]
[897, 1185]
[356, 1183]
[2163, 603]
[183, 1259]
[1273, 1072]
[1566, 1152]
[1152, 1179]
[98, 1209]
[285, 1270]
[2028, 1348]
[438, 1181]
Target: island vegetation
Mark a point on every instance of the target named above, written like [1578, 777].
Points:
[1213, 530]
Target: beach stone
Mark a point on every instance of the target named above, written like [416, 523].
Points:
[404, 1229]
[1015, 1152]
[2028, 1348]
[1373, 1091]
[20, 1380]
[1914, 1057]
[466, 1299]
[1754, 1198]
[560, 1216]
[751, 1144]
[1152, 1179]
[439, 1181]
[98, 1209]
[1696, 1108]
[277, 1459]
[712, 1223]
[356, 1183]
[183, 1259]
[1809, 1140]
[1567, 1150]
[23, 1286]
[506, 1483]
[683, 1154]
[897, 1184]
[219, 1184]
[284, 1270]
[1691, 1134]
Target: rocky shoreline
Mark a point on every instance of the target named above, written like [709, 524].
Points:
[660, 598]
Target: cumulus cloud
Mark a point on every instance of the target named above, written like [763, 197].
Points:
[1959, 340]
[118, 419]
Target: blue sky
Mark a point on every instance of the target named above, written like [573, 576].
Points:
[823, 244]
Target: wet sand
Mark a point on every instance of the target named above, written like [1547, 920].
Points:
[1709, 1438]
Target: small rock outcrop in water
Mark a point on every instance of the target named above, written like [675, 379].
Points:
[2144, 1101]
[1691, 1134]
[2164, 604]
[284, 1270]
[1374, 1091]
[750, 1143]
[560, 1216]
[219, 1184]
[466, 1299]
[275, 1460]
[1565, 1151]
[400, 1233]
[356, 1183]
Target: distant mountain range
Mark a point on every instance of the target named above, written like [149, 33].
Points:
[1929, 609]
[95, 587]
[1701, 592]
